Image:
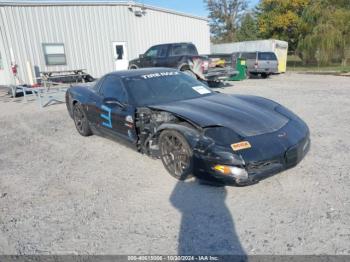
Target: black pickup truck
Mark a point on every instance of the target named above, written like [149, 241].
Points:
[184, 57]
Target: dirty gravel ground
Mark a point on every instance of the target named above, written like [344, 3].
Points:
[63, 193]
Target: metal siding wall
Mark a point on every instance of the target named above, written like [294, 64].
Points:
[5, 74]
[87, 33]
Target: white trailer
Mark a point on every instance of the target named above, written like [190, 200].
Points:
[280, 48]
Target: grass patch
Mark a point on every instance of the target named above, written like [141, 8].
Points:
[295, 63]
[332, 68]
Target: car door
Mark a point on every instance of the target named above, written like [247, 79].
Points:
[113, 115]
[161, 60]
[149, 58]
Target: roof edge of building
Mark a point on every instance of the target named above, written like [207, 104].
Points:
[96, 3]
[258, 40]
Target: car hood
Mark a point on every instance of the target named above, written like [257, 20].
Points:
[239, 113]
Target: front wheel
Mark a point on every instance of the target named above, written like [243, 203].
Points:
[81, 121]
[176, 154]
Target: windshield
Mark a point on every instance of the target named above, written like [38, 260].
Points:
[163, 87]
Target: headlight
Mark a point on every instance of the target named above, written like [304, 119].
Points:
[240, 174]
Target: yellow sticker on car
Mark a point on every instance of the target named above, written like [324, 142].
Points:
[240, 146]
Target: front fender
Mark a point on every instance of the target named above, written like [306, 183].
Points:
[191, 135]
[76, 94]
[204, 147]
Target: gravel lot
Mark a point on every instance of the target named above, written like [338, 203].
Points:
[63, 193]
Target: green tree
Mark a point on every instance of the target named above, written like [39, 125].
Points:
[281, 19]
[326, 31]
[248, 29]
[224, 17]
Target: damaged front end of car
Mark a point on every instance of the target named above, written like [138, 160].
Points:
[221, 155]
[216, 161]
[150, 123]
[213, 161]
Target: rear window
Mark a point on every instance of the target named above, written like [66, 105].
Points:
[267, 56]
[183, 49]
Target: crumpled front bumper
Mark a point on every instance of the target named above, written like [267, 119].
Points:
[258, 168]
[291, 157]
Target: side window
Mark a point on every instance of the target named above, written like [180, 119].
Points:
[192, 50]
[112, 87]
[97, 85]
[181, 49]
[152, 52]
[162, 51]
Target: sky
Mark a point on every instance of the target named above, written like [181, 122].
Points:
[194, 7]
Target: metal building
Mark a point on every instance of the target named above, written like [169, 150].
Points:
[280, 48]
[99, 36]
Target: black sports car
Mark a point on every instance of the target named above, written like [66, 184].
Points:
[164, 113]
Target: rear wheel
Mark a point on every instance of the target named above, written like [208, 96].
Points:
[176, 154]
[264, 75]
[214, 83]
[131, 67]
[80, 120]
[252, 75]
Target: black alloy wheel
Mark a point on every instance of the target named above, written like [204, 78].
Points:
[176, 154]
[80, 120]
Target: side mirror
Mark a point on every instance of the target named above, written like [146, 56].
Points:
[113, 102]
[141, 56]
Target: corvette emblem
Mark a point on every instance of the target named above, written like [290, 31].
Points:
[240, 146]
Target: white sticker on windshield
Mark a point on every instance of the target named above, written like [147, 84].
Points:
[201, 90]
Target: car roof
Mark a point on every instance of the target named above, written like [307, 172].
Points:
[142, 71]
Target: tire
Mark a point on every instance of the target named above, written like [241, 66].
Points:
[190, 73]
[132, 67]
[264, 75]
[176, 154]
[252, 75]
[80, 120]
[214, 83]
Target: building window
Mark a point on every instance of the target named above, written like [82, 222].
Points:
[54, 54]
[119, 51]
